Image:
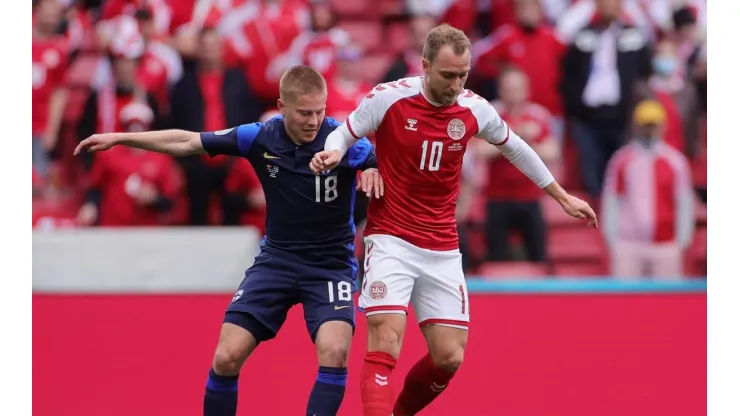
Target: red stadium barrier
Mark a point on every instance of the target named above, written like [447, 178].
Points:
[532, 354]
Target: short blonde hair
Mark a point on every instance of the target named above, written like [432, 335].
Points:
[442, 35]
[300, 80]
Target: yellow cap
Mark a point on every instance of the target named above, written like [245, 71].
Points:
[649, 112]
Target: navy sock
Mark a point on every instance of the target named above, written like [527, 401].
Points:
[221, 395]
[328, 392]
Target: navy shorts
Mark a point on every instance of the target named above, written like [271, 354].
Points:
[275, 283]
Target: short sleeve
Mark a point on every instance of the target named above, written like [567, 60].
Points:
[362, 155]
[231, 142]
[367, 116]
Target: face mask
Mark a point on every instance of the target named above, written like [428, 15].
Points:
[664, 65]
[528, 27]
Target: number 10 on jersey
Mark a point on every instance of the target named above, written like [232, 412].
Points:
[431, 156]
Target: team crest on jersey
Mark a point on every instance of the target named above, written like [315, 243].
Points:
[237, 295]
[456, 129]
[378, 290]
[273, 170]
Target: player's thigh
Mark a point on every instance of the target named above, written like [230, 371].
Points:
[386, 291]
[262, 302]
[440, 295]
[326, 296]
[389, 279]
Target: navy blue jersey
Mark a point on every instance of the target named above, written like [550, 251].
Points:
[307, 215]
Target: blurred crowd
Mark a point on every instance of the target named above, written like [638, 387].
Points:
[610, 93]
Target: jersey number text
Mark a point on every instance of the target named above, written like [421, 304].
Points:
[344, 291]
[431, 155]
[329, 191]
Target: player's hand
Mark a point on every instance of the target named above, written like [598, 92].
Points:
[87, 215]
[371, 183]
[98, 143]
[325, 161]
[147, 194]
[578, 208]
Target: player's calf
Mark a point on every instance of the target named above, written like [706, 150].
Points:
[430, 376]
[385, 333]
[234, 346]
[332, 346]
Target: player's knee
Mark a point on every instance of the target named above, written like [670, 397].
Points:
[229, 358]
[333, 355]
[449, 358]
[385, 336]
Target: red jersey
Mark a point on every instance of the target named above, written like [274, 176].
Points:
[49, 68]
[505, 181]
[420, 147]
[120, 173]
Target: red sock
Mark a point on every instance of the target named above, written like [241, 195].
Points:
[424, 382]
[376, 391]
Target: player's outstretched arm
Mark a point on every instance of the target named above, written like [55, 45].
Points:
[172, 142]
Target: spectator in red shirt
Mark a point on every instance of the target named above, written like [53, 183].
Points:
[648, 201]
[49, 96]
[131, 187]
[120, 86]
[532, 46]
[347, 89]
[513, 200]
[210, 97]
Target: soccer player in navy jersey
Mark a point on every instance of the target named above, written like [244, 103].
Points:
[307, 255]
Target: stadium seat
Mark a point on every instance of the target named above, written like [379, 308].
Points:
[397, 37]
[367, 34]
[499, 270]
[580, 269]
[575, 244]
[353, 8]
[700, 212]
[391, 7]
[374, 67]
[696, 256]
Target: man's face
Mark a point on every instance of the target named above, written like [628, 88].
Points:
[513, 88]
[303, 115]
[446, 75]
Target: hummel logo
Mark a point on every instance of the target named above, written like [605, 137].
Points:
[337, 307]
[437, 387]
[380, 380]
[412, 122]
[269, 156]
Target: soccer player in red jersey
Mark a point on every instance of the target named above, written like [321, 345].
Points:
[422, 126]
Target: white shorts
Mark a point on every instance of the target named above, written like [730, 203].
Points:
[398, 272]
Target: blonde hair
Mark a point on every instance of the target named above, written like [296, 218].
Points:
[442, 35]
[300, 80]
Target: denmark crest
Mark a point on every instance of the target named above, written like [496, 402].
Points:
[456, 129]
